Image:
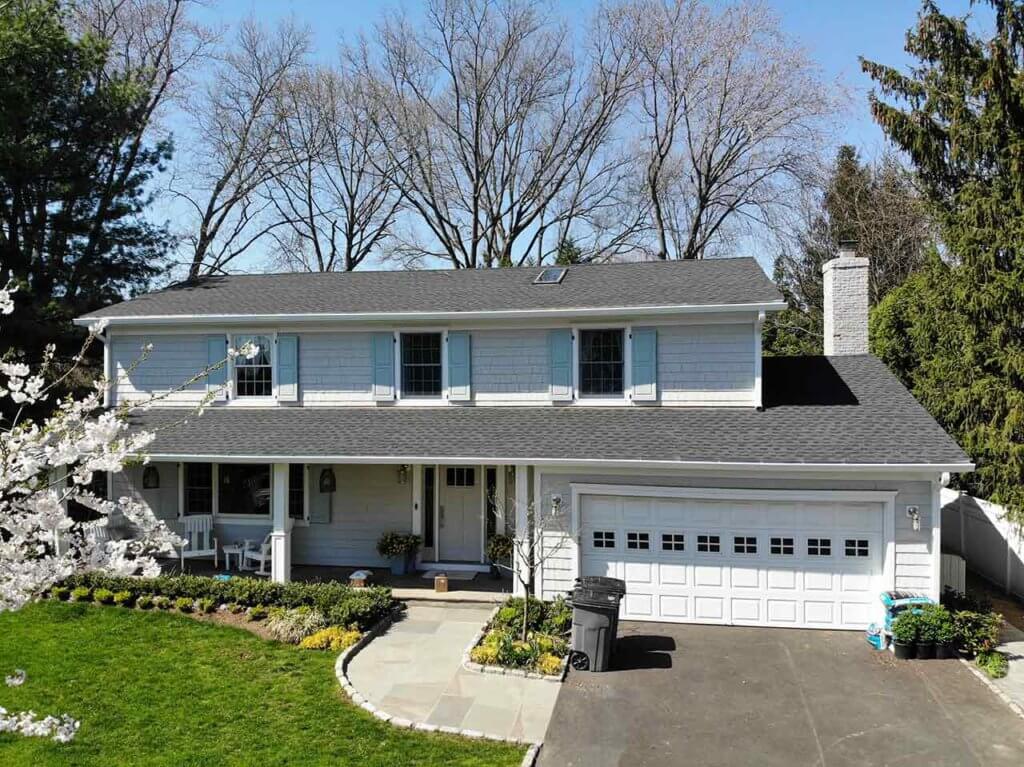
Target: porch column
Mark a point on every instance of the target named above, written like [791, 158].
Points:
[522, 502]
[280, 537]
[417, 506]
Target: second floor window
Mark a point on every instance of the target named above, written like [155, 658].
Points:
[601, 362]
[421, 364]
[254, 377]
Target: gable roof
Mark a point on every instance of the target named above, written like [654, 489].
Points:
[820, 413]
[698, 285]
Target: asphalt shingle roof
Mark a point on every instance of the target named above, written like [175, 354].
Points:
[664, 283]
[818, 410]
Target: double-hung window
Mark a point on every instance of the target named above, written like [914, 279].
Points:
[198, 486]
[297, 491]
[244, 489]
[601, 362]
[254, 377]
[421, 364]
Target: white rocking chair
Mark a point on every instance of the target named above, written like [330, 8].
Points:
[199, 540]
[261, 554]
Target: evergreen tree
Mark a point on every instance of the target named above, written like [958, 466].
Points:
[569, 253]
[73, 179]
[955, 332]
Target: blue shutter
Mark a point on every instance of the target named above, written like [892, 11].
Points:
[560, 354]
[645, 364]
[459, 372]
[383, 366]
[288, 368]
[216, 354]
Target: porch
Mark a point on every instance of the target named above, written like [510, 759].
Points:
[470, 588]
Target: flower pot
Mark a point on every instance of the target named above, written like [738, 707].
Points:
[946, 650]
[925, 650]
[399, 566]
[904, 651]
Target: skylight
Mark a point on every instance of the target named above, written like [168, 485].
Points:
[550, 276]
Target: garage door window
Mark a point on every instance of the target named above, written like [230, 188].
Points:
[781, 546]
[604, 539]
[709, 544]
[819, 547]
[638, 541]
[856, 547]
[743, 544]
[673, 542]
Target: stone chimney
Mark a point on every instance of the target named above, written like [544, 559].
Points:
[846, 302]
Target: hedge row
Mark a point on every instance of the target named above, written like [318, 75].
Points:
[344, 605]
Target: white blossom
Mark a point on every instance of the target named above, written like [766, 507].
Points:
[17, 679]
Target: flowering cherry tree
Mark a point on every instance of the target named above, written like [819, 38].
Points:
[44, 467]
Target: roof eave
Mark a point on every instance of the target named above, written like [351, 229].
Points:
[357, 317]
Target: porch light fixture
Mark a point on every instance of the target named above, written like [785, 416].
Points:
[556, 506]
[328, 484]
[150, 478]
[403, 473]
[915, 517]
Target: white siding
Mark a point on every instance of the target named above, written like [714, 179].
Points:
[335, 368]
[914, 562]
[510, 362]
[369, 501]
[706, 364]
[173, 360]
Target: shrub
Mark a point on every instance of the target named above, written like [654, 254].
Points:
[978, 632]
[81, 594]
[958, 601]
[103, 597]
[333, 638]
[60, 592]
[161, 602]
[499, 548]
[361, 609]
[144, 602]
[293, 626]
[905, 627]
[257, 613]
[207, 605]
[558, 619]
[234, 608]
[510, 616]
[549, 664]
[184, 604]
[123, 598]
[397, 545]
[485, 655]
[993, 663]
[930, 622]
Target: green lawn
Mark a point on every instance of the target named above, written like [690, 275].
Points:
[160, 689]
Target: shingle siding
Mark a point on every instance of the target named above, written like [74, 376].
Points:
[510, 362]
[706, 363]
[335, 368]
[173, 360]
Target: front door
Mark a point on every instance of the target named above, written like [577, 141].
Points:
[459, 519]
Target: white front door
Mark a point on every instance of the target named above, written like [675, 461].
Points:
[764, 563]
[460, 515]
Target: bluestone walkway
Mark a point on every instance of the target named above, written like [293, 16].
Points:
[414, 671]
[1012, 684]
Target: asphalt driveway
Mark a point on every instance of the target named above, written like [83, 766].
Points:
[716, 696]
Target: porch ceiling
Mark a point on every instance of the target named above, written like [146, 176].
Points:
[819, 411]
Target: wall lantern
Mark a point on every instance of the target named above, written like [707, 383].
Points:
[403, 473]
[328, 484]
[150, 478]
[556, 506]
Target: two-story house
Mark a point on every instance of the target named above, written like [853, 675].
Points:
[627, 405]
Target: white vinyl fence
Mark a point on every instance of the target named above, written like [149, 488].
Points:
[979, 532]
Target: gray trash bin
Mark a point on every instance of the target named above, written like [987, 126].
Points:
[604, 583]
[595, 610]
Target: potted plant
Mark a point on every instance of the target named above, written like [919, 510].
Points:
[499, 551]
[927, 633]
[947, 638]
[904, 632]
[400, 548]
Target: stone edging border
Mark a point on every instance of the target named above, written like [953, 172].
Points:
[1014, 706]
[479, 668]
[341, 671]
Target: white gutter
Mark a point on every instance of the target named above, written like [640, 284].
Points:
[398, 317]
[885, 468]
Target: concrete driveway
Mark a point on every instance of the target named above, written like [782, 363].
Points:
[710, 695]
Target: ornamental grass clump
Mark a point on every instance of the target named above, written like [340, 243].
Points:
[258, 613]
[81, 594]
[60, 592]
[161, 602]
[144, 602]
[123, 598]
[293, 626]
[206, 605]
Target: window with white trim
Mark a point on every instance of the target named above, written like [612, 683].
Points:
[602, 361]
[819, 547]
[244, 489]
[297, 491]
[673, 542]
[198, 484]
[744, 544]
[604, 539]
[254, 377]
[421, 364]
[709, 544]
[857, 547]
[460, 476]
[638, 541]
[780, 546]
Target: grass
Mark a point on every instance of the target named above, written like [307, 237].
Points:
[161, 689]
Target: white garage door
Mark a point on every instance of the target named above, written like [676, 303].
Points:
[763, 563]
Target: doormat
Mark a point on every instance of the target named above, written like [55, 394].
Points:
[453, 575]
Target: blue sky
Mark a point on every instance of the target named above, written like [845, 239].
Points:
[834, 32]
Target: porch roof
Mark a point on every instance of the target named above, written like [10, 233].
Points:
[819, 412]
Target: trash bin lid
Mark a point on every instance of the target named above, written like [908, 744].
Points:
[602, 583]
[586, 597]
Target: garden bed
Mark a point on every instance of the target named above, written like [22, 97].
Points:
[535, 644]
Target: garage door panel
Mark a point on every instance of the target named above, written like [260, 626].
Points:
[769, 577]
